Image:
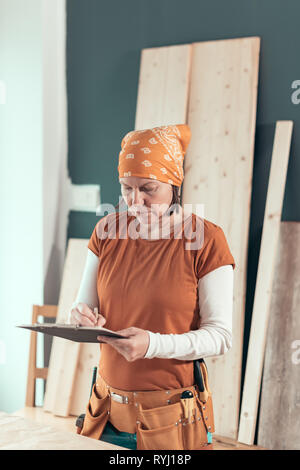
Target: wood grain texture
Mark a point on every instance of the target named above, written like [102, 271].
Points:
[163, 86]
[18, 433]
[37, 414]
[88, 359]
[279, 419]
[218, 174]
[225, 443]
[264, 280]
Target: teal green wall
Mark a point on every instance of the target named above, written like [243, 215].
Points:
[104, 41]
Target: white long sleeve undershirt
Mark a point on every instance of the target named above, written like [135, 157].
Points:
[214, 336]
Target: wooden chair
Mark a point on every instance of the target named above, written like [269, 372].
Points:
[46, 311]
[31, 411]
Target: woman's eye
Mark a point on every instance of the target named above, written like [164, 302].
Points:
[147, 190]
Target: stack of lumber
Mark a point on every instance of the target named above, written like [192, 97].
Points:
[211, 86]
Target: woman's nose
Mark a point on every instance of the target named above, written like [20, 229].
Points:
[137, 197]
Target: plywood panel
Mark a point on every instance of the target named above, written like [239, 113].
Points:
[163, 86]
[279, 418]
[218, 174]
[88, 359]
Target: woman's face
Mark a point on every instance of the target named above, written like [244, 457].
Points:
[146, 198]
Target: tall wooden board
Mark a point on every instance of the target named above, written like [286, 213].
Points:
[264, 280]
[279, 417]
[218, 174]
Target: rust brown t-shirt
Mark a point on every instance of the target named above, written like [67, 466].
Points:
[153, 285]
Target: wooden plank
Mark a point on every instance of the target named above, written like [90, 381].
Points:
[17, 433]
[218, 173]
[279, 415]
[163, 86]
[88, 359]
[37, 414]
[65, 354]
[162, 100]
[225, 443]
[264, 280]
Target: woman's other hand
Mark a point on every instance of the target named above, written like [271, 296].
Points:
[81, 314]
[133, 348]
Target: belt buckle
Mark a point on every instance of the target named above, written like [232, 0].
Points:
[119, 398]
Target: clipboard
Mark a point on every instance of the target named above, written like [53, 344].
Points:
[79, 334]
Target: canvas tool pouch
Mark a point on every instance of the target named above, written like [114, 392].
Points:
[160, 418]
[96, 415]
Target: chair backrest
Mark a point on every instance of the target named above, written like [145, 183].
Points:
[46, 311]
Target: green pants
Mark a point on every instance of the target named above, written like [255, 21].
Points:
[122, 439]
[126, 439]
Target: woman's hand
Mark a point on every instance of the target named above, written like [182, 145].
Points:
[133, 348]
[81, 314]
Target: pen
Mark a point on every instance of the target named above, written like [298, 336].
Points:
[96, 314]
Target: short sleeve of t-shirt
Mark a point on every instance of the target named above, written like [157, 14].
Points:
[105, 228]
[214, 254]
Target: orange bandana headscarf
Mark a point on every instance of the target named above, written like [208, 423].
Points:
[155, 153]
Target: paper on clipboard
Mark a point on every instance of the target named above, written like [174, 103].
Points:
[80, 334]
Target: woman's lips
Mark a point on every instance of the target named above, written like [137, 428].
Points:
[143, 212]
[145, 216]
[140, 212]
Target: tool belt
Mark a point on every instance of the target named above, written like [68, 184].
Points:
[176, 419]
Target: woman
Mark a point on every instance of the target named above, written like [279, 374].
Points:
[172, 300]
